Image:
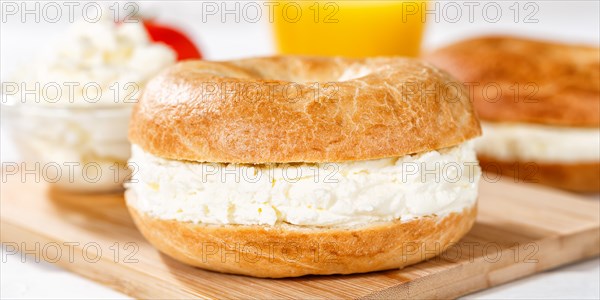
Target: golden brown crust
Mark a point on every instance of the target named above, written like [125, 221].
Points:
[557, 84]
[576, 177]
[290, 251]
[249, 111]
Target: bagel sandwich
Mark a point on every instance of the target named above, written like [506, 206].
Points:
[290, 166]
[539, 103]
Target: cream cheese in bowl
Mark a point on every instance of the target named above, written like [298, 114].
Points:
[68, 110]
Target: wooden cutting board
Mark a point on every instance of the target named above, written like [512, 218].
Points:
[520, 230]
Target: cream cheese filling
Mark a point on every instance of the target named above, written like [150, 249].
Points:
[325, 194]
[540, 143]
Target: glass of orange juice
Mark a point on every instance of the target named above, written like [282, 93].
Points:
[349, 28]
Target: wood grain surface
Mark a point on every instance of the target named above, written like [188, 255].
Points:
[520, 230]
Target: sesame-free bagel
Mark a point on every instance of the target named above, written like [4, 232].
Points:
[301, 109]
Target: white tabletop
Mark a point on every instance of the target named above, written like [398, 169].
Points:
[574, 21]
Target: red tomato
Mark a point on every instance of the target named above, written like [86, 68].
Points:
[173, 38]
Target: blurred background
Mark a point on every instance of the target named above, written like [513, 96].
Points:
[234, 29]
[222, 35]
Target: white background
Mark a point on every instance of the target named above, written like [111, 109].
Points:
[572, 21]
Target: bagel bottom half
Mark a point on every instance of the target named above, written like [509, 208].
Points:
[575, 177]
[290, 251]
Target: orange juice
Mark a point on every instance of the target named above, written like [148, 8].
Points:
[349, 28]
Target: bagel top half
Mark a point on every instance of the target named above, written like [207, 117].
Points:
[521, 80]
[301, 109]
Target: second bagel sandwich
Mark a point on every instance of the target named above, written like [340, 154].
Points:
[288, 166]
[539, 102]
